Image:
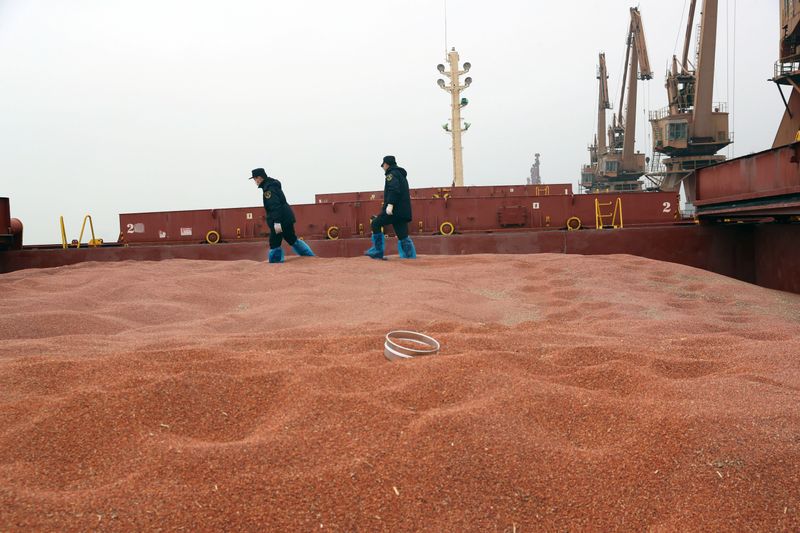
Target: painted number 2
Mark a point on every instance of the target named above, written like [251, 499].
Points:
[130, 228]
[667, 207]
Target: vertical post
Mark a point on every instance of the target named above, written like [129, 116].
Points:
[455, 104]
[63, 232]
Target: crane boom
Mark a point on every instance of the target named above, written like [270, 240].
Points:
[703, 126]
[685, 59]
[602, 104]
[615, 166]
[639, 69]
[637, 29]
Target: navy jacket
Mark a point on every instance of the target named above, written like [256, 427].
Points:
[275, 204]
[395, 192]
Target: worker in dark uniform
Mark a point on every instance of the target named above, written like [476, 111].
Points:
[396, 211]
[280, 218]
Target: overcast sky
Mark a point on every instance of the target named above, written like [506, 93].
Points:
[118, 106]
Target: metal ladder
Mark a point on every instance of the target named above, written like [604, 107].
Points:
[600, 219]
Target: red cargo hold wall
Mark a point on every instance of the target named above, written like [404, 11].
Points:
[462, 213]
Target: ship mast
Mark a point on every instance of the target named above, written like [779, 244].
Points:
[455, 129]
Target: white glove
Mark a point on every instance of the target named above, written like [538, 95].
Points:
[389, 209]
[278, 227]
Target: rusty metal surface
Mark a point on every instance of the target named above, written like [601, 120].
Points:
[777, 256]
[762, 183]
[768, 254]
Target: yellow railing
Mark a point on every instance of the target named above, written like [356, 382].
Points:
[615, 215]
[94, 242]
[63, 232]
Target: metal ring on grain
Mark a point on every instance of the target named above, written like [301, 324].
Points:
[393, 351]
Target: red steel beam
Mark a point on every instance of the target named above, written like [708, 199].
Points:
[764, 182]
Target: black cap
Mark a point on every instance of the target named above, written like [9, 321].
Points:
[389, 160]
[258, 173]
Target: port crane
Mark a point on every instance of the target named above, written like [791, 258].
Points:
[616, 166]
[692, 128]
[787, 72]
[589, 176]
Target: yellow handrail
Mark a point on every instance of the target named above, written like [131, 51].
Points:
[94, 242]
[63, 233]
[618, 209]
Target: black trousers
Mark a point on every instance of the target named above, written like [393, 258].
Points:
[287, 234]
[400, 226]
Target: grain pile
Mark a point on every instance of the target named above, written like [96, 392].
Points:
[571, 393]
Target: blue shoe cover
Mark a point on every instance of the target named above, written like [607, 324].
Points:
[405, 247]
[276, 255]
[301, 248]
[376, 252]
